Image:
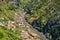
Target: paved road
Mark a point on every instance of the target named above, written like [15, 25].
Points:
[26, 23]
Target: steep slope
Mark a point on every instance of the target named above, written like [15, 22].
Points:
[12, 26]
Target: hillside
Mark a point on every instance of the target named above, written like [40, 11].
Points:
[44, 15]
[30, 19]
[12, 26]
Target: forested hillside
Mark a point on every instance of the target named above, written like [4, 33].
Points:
[12, 26]
[6, 14]
[43, 15]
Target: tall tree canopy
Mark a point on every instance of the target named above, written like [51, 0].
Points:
[43, 15]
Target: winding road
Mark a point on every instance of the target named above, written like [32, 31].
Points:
[27, 24]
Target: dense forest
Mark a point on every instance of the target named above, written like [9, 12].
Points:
[43, 15]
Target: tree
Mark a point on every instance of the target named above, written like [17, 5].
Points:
[46, 14]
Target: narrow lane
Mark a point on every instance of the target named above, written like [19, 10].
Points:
[27, 24]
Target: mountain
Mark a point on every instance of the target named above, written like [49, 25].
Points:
[42, 15]
[11, 24]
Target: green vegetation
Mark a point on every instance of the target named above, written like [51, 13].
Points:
[6, 35]
[7, 10]
[43, 15]
[7, 13]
